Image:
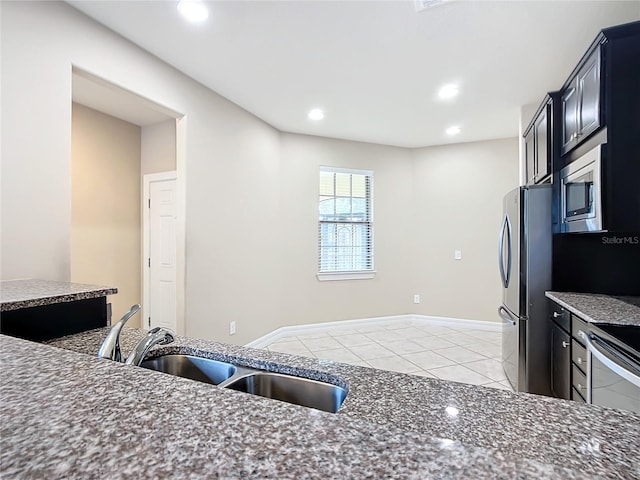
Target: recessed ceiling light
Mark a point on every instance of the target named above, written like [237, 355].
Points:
[193, 10]
[316, 114]
[454, 130]
[449, 90]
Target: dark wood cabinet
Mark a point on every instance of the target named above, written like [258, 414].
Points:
[599, 106]
[560, 362]
[568, 355]
[538, 144]
[578, 360]
[529, 155]
[580, 103]
[45, 322]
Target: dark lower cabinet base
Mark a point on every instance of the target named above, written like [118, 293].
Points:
[56, 320]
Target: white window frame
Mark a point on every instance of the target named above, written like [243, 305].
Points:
[357, 274]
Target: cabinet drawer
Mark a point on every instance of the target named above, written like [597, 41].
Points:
[579, 355]
[575, 396]
[578, 324]
[560, 316]
[579, 381]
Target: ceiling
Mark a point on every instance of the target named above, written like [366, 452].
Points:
[374, 67]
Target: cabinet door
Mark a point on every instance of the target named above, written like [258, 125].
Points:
[542, 157]
[529, 156]
[569, 102]
[560, 362]
[589, 97]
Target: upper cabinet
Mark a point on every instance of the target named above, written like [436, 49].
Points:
[599, 106]
[538, 144]
[580, 103]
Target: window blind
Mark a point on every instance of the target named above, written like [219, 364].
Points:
[345, 226]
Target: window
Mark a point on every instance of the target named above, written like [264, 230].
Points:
[345, 226]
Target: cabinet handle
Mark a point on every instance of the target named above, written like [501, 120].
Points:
[565, 344]
[556, 314]
[580, 387]
[579, 361]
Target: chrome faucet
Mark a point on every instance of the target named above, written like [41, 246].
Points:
[155, 336]
[110, 348]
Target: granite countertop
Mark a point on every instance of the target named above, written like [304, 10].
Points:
[391, 425]
[25, 293]
[598, 308]
[69, 415]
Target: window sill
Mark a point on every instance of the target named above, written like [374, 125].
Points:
[328, 276]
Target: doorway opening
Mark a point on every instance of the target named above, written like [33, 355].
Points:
[119, 138]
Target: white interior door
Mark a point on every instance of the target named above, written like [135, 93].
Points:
[161, 310]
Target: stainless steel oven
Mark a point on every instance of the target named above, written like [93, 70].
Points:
[581, 193]
[613, 367]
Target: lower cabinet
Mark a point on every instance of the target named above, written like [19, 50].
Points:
[568, 355]
[560, 362]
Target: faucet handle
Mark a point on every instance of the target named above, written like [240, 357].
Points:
[155, 336]
[169, 335]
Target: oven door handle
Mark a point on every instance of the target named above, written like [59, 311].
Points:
[591, 342]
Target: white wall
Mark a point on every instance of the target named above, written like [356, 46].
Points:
[41, 41]
[158, 147]
[304, 298]
[105, 207]
[250, 192]
[458, 205]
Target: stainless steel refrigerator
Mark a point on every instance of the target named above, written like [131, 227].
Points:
[525, 272]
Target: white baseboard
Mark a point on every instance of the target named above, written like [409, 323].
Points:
[294, 330]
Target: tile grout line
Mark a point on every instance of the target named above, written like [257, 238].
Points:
[423, 332]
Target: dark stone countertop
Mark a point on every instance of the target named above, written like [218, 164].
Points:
[67, 414]
[598, 308]
[26, 293]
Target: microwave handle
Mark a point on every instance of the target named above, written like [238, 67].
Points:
[594, 350]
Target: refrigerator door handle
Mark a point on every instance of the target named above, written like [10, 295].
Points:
[506, 315]
[505, 274]
[509, 252]
[503, 277]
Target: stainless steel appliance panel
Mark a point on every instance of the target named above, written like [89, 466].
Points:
[613, 372]
[509, 267]
[581, 194]
[509, 247]
[525, 272]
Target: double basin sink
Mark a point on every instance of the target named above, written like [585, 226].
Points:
[277, 386]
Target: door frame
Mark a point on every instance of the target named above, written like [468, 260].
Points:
[147, 180]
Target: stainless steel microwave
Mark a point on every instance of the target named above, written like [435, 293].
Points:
[581, 193]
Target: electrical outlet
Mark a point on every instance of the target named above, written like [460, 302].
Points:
[416, 298]
[457, 254]
[232, 328]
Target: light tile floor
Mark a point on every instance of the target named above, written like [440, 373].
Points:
[456, 353]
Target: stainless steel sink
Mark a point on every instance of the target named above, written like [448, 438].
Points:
[286, 388]
[196, 368]
[277, 386]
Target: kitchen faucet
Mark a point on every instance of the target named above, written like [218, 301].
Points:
[155, 336]
[110, 348]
